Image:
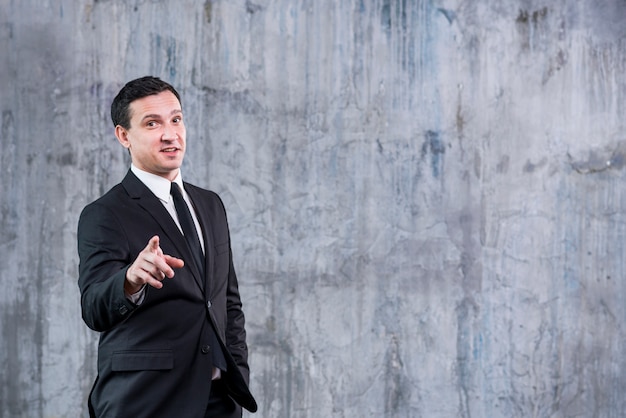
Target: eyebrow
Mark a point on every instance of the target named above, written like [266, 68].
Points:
[155, 116]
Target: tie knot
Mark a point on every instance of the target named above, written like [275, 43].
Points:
[175, 189]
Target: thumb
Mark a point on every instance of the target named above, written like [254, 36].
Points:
[174, 262]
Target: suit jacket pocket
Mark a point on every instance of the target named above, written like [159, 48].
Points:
[124, 361]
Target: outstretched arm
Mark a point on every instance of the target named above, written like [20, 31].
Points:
[110, 270]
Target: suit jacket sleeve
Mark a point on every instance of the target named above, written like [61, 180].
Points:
[104, 259]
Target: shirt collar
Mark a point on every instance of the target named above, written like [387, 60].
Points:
[158, 185]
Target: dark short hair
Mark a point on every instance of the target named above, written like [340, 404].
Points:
[133, 90]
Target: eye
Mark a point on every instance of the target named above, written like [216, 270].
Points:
[177, 119]
[151, 124]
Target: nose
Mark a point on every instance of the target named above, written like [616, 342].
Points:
[169, 134]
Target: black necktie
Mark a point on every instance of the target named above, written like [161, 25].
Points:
[189, 228]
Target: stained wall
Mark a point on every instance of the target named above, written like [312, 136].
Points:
[425, 197]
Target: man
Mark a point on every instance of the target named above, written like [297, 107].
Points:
[156, 277]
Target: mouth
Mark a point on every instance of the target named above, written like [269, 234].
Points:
[170, 149]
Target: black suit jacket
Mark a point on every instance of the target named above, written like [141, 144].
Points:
[154, 359]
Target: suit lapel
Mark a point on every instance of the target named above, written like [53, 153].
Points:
[153, 206]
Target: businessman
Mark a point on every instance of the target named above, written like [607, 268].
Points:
[156, 277]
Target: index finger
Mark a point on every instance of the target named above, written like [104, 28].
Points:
[153, 244]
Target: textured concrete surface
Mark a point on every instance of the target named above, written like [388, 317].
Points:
[426, 197]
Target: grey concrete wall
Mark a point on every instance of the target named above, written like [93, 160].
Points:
[426, 197]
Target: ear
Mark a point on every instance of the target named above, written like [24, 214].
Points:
[122, 136]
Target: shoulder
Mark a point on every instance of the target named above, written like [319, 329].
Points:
[110, 198]
[206, 201]
[208, 195]
[128, 188]
[103, 208]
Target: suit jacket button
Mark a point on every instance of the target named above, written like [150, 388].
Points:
[208, 304]
[205, 349]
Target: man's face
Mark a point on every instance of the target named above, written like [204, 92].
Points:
[156, 138]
